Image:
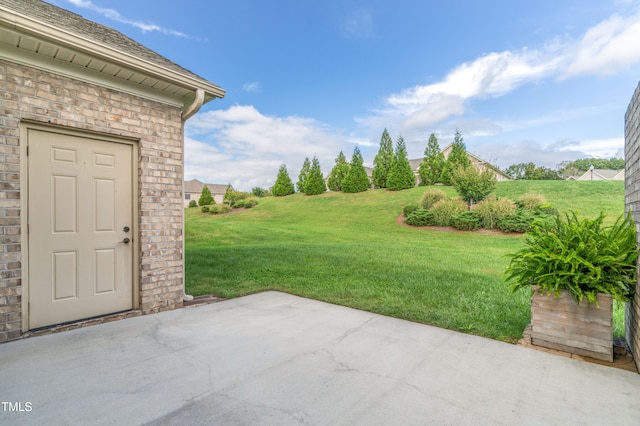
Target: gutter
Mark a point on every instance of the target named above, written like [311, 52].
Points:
[187, 113]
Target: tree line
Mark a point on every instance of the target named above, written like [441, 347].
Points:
[391, 170]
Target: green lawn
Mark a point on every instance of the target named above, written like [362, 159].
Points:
[348, 249]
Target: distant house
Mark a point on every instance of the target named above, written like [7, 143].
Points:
[600, 174]
[193, 189]
[478, 162]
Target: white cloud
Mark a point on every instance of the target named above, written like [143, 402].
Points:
[116, 16]
[243, 147]
[607, 48]
[254, 86]
[358, 25]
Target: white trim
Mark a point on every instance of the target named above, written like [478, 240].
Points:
[87, 75]
[78, 43]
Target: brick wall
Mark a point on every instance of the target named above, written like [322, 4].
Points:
[632, 203]
[31, 94]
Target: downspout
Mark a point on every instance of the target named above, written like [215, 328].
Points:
[187, 113]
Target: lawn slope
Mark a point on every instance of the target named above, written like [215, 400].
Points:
[348, 249]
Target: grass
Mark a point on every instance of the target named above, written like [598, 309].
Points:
[347, 249]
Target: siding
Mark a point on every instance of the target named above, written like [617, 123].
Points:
[632, 204]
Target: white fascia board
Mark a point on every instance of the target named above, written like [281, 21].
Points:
[30, 59]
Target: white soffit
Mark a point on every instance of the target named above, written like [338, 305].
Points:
[33, 43]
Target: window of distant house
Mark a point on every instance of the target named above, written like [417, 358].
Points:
[187, 196]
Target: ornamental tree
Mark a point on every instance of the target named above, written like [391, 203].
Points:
[472, 184]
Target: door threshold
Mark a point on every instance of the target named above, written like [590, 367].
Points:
[84, 322]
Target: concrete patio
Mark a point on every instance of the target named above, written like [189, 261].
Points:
[273, 358]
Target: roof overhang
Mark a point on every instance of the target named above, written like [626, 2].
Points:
[31, 42]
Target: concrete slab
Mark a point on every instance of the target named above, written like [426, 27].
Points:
[273, 358]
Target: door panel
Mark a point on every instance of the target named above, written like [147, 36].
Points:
[80, 201]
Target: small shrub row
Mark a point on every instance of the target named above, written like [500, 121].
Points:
[216, 208]
[246, 203]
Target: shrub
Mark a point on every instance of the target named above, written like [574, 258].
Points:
[193, 203]
[250, 202]
[205, 197]
[430, 197]
[410, 208]
[521, 222]
[205, 209]
[223, 209]
[545, 210]
[259, 192]
[531, 201]
[219, 208]
[420, 217]
[580, 256]
[491, 211]
[466, 221]
[445, 209]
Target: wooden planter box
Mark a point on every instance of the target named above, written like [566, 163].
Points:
[583, 329]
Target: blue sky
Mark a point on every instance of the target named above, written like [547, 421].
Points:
[543, 81]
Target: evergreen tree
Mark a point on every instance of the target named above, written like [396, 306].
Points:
[432, 165]
[315, 183]
[206, 199]
[338, 173]
[304, 173]
[401, 175]
[382, 162]
[356, 179]
[283, 185]
[457, 157]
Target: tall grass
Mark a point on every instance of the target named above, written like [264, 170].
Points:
[348, 249]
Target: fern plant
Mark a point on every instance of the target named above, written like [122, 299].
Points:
[579, 255]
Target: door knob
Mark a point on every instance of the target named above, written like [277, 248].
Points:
[126, 241]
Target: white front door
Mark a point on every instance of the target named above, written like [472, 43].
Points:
[80, 228]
